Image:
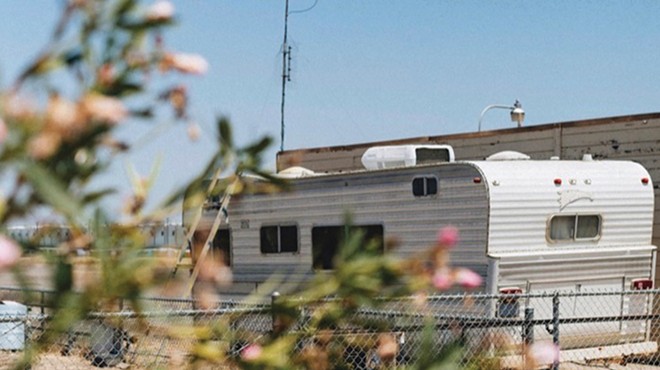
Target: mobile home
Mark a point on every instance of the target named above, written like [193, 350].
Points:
[529, 225]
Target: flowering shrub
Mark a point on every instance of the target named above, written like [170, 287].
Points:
[55, 140]
[101, 69]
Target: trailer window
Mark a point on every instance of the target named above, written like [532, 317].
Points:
[424, 186]
[574, 227]
[279, 239]
[326, 241]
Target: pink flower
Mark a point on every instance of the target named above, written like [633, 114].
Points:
[44, 144]
[104, 108]
[4, 132]
[543, 353]
[63, 117]
[186, 63]
[162, 10]
[193, 131]
[18, 107]
[10, 252]
[419, 299]
[251, 352]
[447, 236]
[467, 278]
[106, 74]
[442, 279]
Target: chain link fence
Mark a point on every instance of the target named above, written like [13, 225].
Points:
[493, 332]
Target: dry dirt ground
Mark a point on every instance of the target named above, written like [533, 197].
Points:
[52, 361]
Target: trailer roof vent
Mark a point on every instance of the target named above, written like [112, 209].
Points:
[295, 172]
[379, 157]
[508, 155]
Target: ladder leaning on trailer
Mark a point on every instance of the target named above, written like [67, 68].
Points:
[221, 217]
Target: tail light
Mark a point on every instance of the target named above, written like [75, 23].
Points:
[511, 290]
[642, 284]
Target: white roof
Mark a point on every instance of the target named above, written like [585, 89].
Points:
[533, 171]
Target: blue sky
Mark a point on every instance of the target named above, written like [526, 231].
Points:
[373, 70]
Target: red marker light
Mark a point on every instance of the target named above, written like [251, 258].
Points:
[557, 181]
[477, 180]
[645, 180]
[642, 284]
[510, 290]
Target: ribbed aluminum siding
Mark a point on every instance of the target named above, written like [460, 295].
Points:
[523, 196]
[375, 197]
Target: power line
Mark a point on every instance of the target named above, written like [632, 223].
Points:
[304, 10]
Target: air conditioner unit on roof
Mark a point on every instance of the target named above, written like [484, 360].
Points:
[379, 157]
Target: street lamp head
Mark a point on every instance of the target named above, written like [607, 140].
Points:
[517, 113]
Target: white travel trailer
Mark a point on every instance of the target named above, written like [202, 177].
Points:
[525, 225]
[532, 225]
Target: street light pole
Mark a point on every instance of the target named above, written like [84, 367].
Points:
[517, 113]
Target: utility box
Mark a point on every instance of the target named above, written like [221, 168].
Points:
[12, 325]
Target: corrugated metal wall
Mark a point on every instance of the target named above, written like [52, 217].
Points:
[634, 138]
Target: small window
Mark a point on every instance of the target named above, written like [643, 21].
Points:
[424, 186]
[279, 239]
[574, 227]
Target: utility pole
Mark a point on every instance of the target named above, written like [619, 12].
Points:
[286, 70]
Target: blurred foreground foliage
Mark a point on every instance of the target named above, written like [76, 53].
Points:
[107, 65]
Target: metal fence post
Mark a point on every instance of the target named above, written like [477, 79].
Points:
[273, 311]
[528, 326]
[555, 327]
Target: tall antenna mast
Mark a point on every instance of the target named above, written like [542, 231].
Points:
[286, 61]
[286, 70]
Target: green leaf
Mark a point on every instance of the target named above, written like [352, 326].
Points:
[72, 57]
[147, 112]
[49, 188]
[63, 276]
[259, 146]
[124, 6]
[141, 25]
[122, 88]
[43, 64]
[97, 195]
[224, 128]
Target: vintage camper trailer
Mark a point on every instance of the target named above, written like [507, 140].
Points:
[526, 225]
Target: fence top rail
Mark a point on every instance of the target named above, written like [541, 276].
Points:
[430, 298]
